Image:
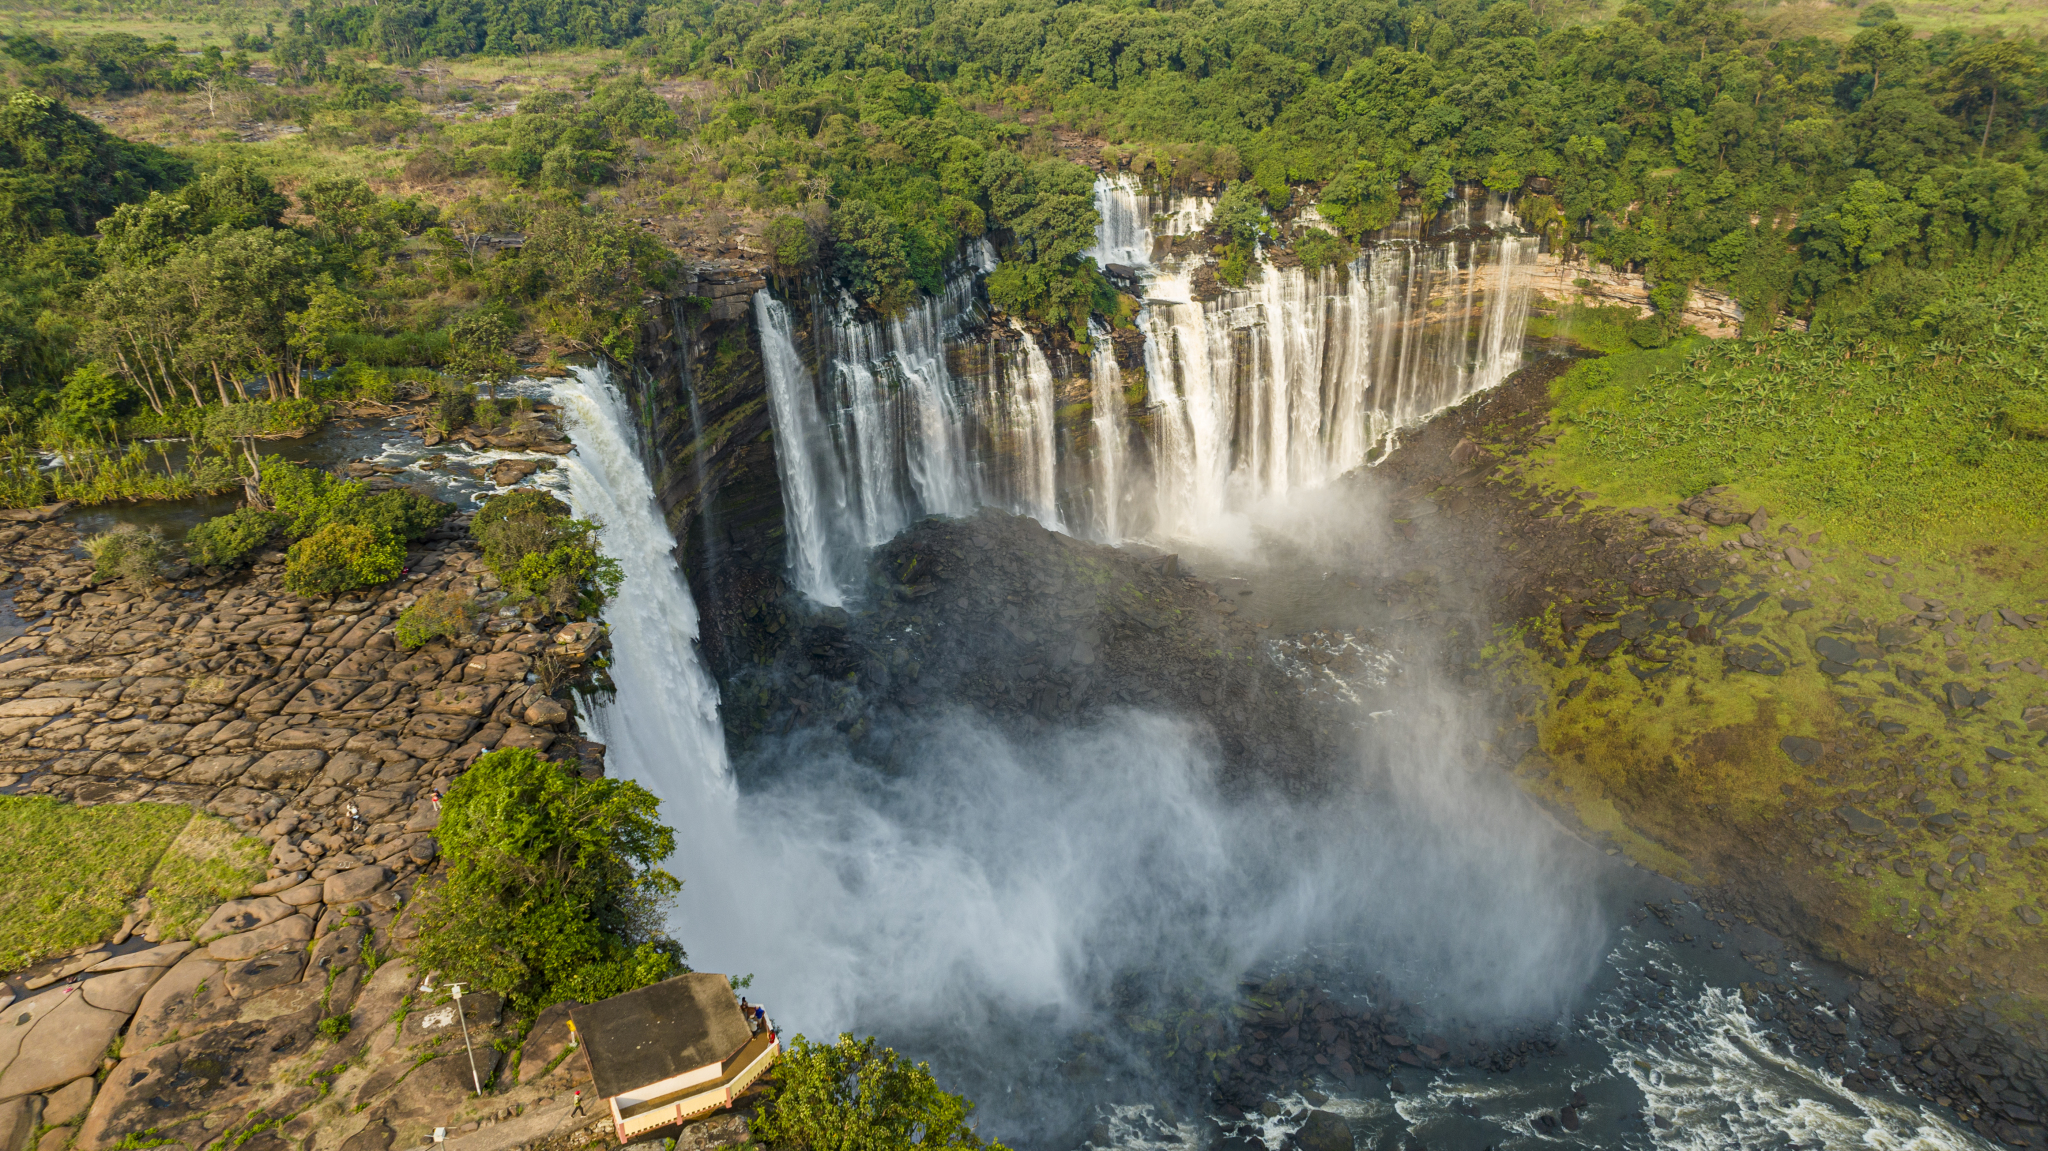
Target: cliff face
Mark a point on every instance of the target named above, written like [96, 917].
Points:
[697, 384]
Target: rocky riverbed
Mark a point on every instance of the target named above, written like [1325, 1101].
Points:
[278, 714]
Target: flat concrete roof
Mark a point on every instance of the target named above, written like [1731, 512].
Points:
[660, 1031]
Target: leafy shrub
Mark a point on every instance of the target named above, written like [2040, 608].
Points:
[527, 502]
[1319, 249]
[361, 382]
[554, 887]
[92, 397]
[436, 615]
[791, 247]
[453, 409]
[341, 557]
[404, 513]
[264, 418]
[308, 497]
[225, 541]
[1649, 332]
[1241, 214]
[490, 415]
[2026, 416]
[311, 499]
[855, 1094]
[1235, 265]
[543, 556]
[337, 1027]
[128, 554]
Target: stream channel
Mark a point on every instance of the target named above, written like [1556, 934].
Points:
[1033, 915]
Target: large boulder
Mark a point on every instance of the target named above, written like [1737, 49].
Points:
[286, 769]
[68, 1103]
[545, 1041]
[1325, 1131]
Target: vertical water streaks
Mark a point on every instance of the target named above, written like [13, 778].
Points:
[1111, 434]
[1124, 235]
[1277, 386]
[868, 439]
[936, 448]
[1023, 420]
[802, 444]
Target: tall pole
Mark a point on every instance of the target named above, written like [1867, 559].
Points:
[456, 989]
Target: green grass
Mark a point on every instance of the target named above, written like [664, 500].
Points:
[73, 871]
[1921, 450]
[1839, 21]
[1864, 439]
[1603, 330]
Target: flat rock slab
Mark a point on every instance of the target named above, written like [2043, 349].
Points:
[160, 1088]
[68, 1103]
[239, 915]
[546, 1039]
[292, 768]
[265, 972]
[162, 955]
[188, 999]
[360, 883]
[536, 1125]
[270, 937]
[51, 1039]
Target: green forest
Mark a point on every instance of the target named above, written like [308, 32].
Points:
[1850, 182]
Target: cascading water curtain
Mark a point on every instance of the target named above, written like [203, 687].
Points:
[1282, 385]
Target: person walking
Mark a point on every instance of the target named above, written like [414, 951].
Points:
[578, 1109]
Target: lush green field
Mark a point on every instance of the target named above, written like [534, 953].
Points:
[1907, 466]
[1937, 444]
[72, 872]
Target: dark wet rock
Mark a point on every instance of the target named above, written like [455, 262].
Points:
[1837, 650]
[1603, 645]
[167, 1084]
[1859, 821]
[1745, 607]
[1802, 749]
[1325, 1131]
[376, 1135]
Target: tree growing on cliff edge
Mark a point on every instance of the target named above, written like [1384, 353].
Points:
[854, 1095]
[553, 890]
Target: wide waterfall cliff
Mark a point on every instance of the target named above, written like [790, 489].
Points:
[794, 432]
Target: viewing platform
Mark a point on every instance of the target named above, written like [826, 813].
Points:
[674, 1051]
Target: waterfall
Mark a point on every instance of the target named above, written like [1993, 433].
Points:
[1111, 435]
[1124, 235]
[661, 729]
[1283, 384]
[1022, 420]
[802, 443]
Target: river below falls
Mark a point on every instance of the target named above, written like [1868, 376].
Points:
[998, 905]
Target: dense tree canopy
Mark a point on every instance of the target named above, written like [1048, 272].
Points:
[553, 889]
[1676, 138]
